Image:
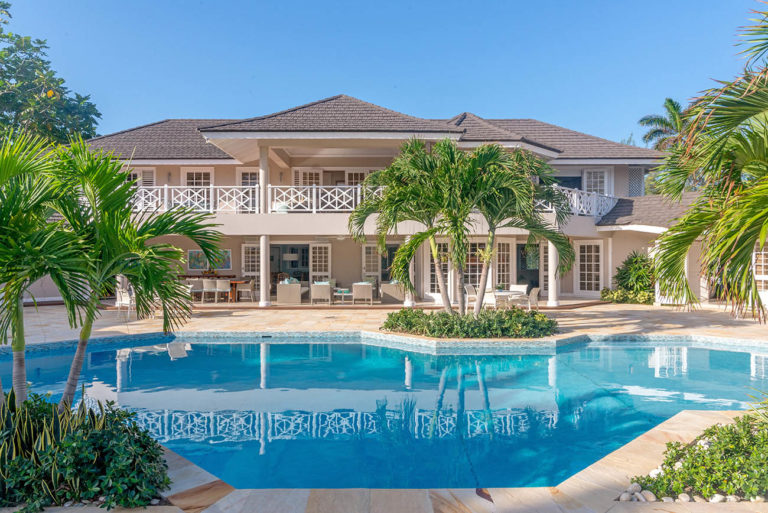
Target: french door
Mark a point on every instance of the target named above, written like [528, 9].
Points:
[588, 278]
[371, 262]
[319, 262]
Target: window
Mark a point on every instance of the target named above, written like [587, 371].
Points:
[198, 178]
[249, 176]
[442, 252]
[760, 267]
[474, 263]
[371, 261]
[196, 261]
[251, 260]
[355, 177]
[143, 176]
[595, 181]
[307, 177]
[320, 262]
[504, 264]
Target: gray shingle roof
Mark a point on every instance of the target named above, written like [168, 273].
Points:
[477, 129]
[181, 138]
[168, 139]
[340, 113]
[652, 210]
[573, 144]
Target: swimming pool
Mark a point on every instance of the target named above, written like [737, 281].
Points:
[338, 413]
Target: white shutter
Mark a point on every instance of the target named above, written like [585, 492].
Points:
[319, 262]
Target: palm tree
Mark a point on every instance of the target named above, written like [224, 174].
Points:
[121, 242]
[508, 189]
[664, 129]
[408, 190]
[725, 150]
[32, 244]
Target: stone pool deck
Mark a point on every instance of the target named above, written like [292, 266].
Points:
[593, 490]
[49, 323]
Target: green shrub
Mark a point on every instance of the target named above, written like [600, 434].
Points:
[729, 460]
[635, 274]
[47, 458]
[626, 296]
[512, 323]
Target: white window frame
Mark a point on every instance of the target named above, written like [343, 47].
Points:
[348, 172]
[314, 275]
[607, 178]
[761, 277]
[255, 275]
[371, 273]
[140, 174]
[577, 270]
[185, 171]
[544, 267]
[300, 173]
[511, 260]
[242, 170]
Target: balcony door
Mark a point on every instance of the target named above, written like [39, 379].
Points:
[197, 193]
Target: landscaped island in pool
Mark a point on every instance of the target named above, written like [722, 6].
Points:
[337, 413]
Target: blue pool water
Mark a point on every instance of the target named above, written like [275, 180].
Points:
[344, 415]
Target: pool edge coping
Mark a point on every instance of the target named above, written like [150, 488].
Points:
[591, 490]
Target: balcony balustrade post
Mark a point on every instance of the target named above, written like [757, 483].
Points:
[165, 197]
[211, 199]
[314, 199]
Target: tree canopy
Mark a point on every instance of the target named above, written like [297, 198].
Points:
[33, 98]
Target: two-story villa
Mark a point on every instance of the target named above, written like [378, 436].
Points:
[281, 187]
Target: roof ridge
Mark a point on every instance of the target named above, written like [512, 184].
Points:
[128, 130]
[572, 131]
[318, 102]
[497, 127]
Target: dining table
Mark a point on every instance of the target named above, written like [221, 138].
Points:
[233, 289]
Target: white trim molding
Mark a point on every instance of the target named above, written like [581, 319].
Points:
[598, 162]
[330, 135]
[643, 228]
[181, 162]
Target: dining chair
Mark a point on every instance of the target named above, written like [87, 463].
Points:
[248, 288]
[222, 287]
[209, 287]
[124, 301]
[471, 293]
[195, 287]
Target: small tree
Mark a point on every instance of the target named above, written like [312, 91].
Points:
[635, 273]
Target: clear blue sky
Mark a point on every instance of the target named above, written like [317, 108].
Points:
[589, 65]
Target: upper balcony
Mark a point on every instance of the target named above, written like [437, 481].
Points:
[312, 199]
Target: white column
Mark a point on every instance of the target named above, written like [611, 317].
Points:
[264, 179]
[264, 274]
[409, 301]
[553, 276]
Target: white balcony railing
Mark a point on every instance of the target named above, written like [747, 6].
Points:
[212, 198]
[310, 198]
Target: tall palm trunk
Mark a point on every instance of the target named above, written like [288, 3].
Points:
[440, 276]
[439, 404]
[462, 294]
[77, 364]
[484, 273]
[19, 378]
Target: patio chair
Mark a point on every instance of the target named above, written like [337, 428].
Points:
[124, 301]
[222, 287]
[520, 287]
[248, 289]
[532, 299]
[470, 292]
[362, 291]
[320, 292]
[392, 292]
[290, 293]
[209, 287]
[195, 287]
[501, 301]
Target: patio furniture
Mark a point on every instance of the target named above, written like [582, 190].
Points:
[532, 299]
[222, 287]
[470, 292]
[521, 288]
[392, 292]
[177, 350]
[341, 293]
[290, 293]
[245, 287]
[320, 292]
[362, 291]
[124, 301]
[501, 299]
[195, 287]
[209, 287]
